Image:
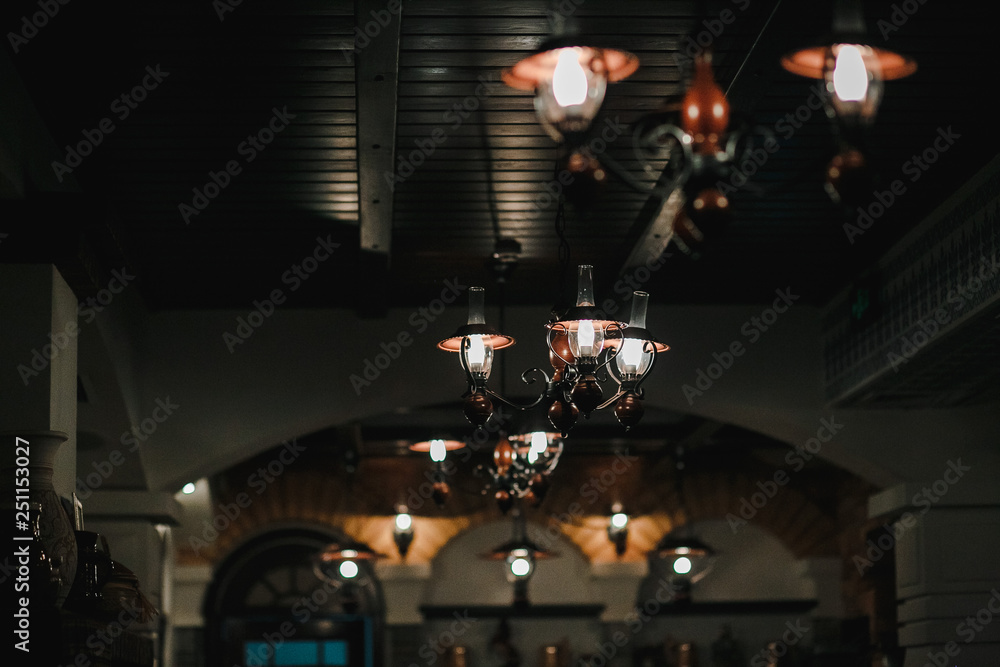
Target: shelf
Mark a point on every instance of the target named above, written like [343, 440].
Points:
[518, 611]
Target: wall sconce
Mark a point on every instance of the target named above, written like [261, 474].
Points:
[618, 529]
[402, 532]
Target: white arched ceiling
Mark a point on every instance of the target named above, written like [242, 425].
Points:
[292, 376]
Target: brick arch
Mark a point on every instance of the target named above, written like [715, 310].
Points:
[321, 494]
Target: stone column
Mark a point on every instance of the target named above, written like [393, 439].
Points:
[945, 537]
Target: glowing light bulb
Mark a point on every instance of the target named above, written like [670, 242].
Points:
[403, 521]
[348, 569]
[619, 520]
[479, 354]
[520, 567]
[569, 79]
[437, 451]
[682, 565]
[631, 355]
[585, 338]
[188, 488]
[850, 76]
[539, 442]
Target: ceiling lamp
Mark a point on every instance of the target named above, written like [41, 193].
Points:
[687, 558]
[852, 69]
[569, 77]
[519, 555]
[438, 449]
[345, 559]
[582, 342]
[853, 72]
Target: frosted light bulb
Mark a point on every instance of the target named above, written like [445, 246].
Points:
[569, 80]
[520, 567]
[403, 522]
[682, 565]
[437, 450]
[539, 442]
[619, 520]
[585, 338]
[850, 76]
[631, 355]
[348, 569]
[479, 354]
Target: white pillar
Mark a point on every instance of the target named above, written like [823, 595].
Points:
[946, 534]
[137, 526]
[38, 386]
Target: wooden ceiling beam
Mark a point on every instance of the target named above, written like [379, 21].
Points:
[375, 54]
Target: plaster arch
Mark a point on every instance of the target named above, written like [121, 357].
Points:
[293, 376]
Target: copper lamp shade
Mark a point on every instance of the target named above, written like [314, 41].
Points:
[538, 67]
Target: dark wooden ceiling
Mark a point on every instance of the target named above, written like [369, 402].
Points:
[231, 65]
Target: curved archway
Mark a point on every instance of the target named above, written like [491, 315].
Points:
[266, 605]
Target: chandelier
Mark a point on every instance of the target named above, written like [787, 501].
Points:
[584, 347]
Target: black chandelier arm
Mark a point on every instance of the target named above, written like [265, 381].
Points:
[637, 388]
[510, 403]
[611, 400]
